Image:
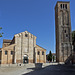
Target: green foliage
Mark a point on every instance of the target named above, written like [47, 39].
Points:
[73, 36]
[53, 58]
[1, 33]
[49, 57]
[0, 27]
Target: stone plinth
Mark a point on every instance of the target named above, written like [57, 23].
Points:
[38, 65]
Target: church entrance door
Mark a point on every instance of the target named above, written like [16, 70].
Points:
[25, 59]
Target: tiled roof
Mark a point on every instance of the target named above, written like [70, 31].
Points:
[6, 41]
[63, 1]
[53, 53]
[40, 46]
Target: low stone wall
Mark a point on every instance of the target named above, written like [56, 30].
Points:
[38, 65]
[15, 65]
[29, 64]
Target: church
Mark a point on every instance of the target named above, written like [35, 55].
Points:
[22, 49]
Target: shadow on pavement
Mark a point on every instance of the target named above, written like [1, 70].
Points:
[53, 70]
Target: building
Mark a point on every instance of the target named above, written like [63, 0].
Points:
[63, 31]
[0, 55]
[73, 57]
[54, 56]
[74, 46]
[22, 49]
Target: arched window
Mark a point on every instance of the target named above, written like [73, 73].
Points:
[12, 53]
[38, 52]
[42, 52]
[66, 6]
[5, 52]
[66, 35]
[61, 6]
[65, 31]
[26, 35]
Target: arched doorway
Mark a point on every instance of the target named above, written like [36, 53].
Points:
[25, 59]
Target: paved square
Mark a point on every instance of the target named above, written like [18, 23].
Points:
[30, 70]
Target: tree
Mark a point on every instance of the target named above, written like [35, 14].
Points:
[1, 33]
[53, 58]
[50, 54]
[49, 57]
[73, 37]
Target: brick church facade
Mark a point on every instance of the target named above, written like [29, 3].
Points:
[22, 49]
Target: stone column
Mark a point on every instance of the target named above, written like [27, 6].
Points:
[15, 52]
[45, 55]
[35, 55]
[40, 57]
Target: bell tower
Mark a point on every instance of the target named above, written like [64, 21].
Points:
[63, 31]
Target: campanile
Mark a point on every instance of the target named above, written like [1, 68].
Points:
[63, 31]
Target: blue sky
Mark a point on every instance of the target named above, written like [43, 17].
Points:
[34, 16]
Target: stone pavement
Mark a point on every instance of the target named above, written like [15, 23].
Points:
[15, 70]
[30, 70]
[54, 70]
